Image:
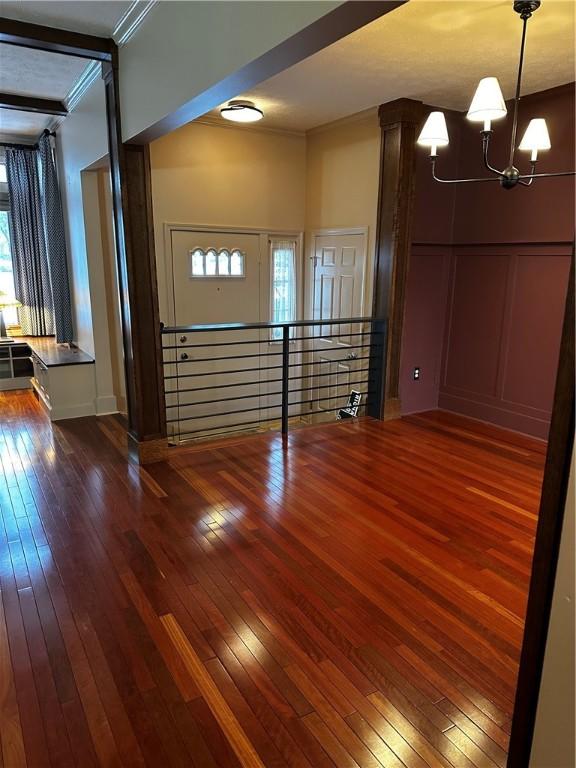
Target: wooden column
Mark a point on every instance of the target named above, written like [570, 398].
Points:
[400, 122]
[134, 235]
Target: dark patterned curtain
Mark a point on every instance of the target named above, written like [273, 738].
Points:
[55, 242]
[38, 243]
[28, 243]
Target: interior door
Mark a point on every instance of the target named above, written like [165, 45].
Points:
[337, 291]
[207, 372]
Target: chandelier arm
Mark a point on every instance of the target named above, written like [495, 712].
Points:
[518, 87]
[546, 175]
[458, 181]
[485, 143]
[522, 180]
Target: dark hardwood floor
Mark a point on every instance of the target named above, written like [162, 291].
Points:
[355, 600]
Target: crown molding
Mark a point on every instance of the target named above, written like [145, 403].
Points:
[90, 74]
[129, 23]
[218, 122]
[124, 30]
[355, 118]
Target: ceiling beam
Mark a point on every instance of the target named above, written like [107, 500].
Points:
[336, 24]
[32, 104]
[55, 40]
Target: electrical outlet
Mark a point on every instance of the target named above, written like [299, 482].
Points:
[416, 373]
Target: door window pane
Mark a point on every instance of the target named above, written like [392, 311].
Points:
[223, 263]
[211, 262]
[283, 284]
[237, 264]
[198, 263]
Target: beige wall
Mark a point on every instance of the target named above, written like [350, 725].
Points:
[342, 181]
[554, 736]
[111, 286]
[229, 177]
[205, 174]
[81, 140]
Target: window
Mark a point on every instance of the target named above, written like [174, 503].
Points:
[283, 269]
[3, 177]
[213, 263]
[6, 276]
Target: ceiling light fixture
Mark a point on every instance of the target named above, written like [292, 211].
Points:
[488, 105]
[241, 111]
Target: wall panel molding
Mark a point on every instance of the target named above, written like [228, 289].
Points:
[520, 351]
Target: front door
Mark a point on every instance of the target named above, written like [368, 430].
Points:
[336, 292]
[216, 278]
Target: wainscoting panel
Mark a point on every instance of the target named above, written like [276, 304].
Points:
[476, 315]
[503, 323]
[423, 331]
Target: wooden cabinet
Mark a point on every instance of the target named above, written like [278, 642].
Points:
[15, 366]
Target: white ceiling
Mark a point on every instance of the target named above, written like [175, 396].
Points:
[88, 16]
[48, 75]
[38, 73]
[430, 50]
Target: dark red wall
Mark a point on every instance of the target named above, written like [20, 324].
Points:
[488, 277]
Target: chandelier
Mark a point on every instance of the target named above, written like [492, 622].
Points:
[488, 105]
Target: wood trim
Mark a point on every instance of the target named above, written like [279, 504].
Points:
[55, 40]
[547, 545]
[399, 121]
[343, 20]
[494, 243]
[32, 104]
[134, 235]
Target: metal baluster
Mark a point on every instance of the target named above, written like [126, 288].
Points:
[285, 376]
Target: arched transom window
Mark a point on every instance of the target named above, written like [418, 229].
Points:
[212, 262]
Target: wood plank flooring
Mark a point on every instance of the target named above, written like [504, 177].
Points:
[356, 600]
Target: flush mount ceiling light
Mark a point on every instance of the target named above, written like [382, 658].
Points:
[488, 105]
[241, 111]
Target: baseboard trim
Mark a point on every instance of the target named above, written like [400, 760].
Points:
[106, 404]
[517, 422]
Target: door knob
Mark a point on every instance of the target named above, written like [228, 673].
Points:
[184, 356]
[183, 339]
[351, 356]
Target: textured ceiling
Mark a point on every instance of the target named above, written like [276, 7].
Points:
[21, 126]
[48, 75]
[429, 50]
[37, 73]
[92, 18]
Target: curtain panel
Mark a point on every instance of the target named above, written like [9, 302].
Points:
[38, 243]
[28, 244]
[55, 239]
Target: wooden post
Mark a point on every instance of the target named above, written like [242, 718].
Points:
[399, 121]
[133, 225]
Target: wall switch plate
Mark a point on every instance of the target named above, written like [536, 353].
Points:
[416, 373]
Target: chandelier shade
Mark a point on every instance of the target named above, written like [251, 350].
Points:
[487, 105]
[536, 137]
[434, 132]
[488, 102]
